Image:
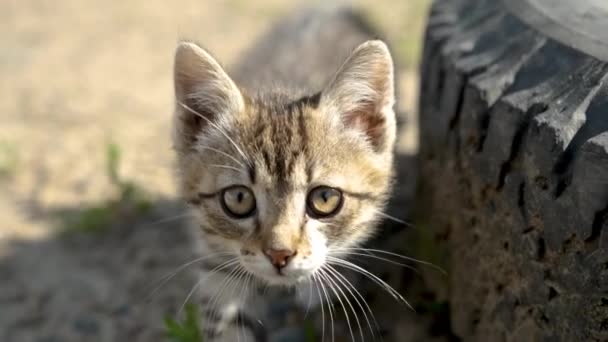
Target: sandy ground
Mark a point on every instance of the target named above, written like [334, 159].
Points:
[76, 76]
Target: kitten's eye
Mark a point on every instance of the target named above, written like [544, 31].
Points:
[324, 201]
[238, 201]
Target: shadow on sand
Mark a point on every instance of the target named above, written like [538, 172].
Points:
[97, 285]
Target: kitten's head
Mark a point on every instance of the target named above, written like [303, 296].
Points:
[281, 182]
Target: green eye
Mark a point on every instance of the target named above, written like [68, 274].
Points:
[324, 201]
[238, 201]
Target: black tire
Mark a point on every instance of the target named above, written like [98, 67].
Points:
[514, 167]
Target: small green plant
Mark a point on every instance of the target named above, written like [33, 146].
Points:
[186, 331]
[113, 155]
[90, 220]
[309, 331]
[8, 159]
[129, 199]
[129, 192]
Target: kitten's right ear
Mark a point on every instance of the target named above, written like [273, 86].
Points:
[203, 91]
[362, 94]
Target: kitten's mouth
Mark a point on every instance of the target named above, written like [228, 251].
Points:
[282, 277]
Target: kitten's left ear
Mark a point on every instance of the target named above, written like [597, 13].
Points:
[204, 93]
[363, 93]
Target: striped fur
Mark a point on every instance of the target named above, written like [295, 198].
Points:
[281, 140]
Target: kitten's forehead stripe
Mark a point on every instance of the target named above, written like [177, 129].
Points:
[281, 137]
[302, 130]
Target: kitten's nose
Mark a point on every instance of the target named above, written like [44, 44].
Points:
[279, 257]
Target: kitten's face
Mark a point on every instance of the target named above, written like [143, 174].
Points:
[282, 183]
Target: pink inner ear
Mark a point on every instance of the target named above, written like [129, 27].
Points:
[368, 121]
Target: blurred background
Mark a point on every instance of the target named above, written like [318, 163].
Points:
[85, 114]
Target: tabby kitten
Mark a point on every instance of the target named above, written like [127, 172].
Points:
[280, 180]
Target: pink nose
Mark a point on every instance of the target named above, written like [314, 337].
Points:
[279, 258]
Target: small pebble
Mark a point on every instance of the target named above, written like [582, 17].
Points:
[86, 326]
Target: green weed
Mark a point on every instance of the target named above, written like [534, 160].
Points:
[9, 159]
[129, 200]
[309, 331]
[188, 330]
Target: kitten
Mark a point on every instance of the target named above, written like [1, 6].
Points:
[286, 167]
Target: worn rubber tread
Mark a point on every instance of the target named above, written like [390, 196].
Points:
[514, 164]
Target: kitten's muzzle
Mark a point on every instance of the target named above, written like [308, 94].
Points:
[279, 258]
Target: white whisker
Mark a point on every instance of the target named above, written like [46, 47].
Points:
[224, 284]
[382, 259]
[212, 124]
[314, 279]
[216, 269]
[330, 307]
[309, 299]
[348, 285]
[372, 277]
[222, 153]
[339, 294]
[169, 276]
[392, 218]
[164, 220]
[372, 250]
[226, 167]
[248, 280]
[239, 324]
